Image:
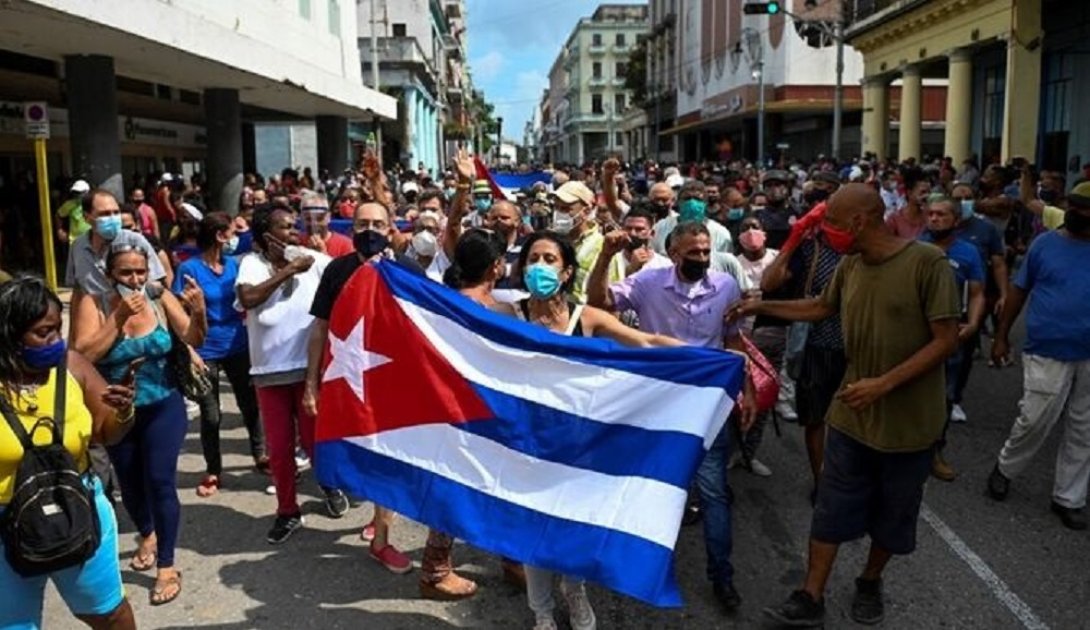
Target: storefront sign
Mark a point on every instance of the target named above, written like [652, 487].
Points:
[36, 117]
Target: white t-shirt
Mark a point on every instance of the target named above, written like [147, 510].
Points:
[279, 327]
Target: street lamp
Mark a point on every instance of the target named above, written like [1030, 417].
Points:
[755, 53]
[499, 138]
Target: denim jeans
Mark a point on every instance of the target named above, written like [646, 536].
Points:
[237, 369]
[716, 498]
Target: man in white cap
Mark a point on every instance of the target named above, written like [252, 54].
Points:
[573, 216]
[71, 213]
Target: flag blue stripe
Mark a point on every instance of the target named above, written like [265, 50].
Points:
[564, 438]
[520, 180]
[619, 561]
[702, 367]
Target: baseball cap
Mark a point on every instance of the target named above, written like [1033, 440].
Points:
[80, 186]
[481, 187]
[777, 176]
[675, 181]
[824, 177]
[167, 177]
[575, 191]
[408, 187]
[192, 211]
[1080, 196]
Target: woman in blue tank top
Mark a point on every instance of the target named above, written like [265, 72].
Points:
[127, 334]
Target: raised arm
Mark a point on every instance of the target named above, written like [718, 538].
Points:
[464, 168]
[610, 168]
[598, 293]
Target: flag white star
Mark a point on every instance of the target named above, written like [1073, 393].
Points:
[351, 359]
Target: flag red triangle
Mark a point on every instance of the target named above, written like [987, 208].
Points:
[482, 173]
[416, 386]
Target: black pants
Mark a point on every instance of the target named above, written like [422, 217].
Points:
[237, 369]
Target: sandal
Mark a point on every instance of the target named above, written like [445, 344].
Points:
[145, 562]
[208, 486]
[157, 597]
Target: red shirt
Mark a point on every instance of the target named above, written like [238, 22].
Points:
[338, 245]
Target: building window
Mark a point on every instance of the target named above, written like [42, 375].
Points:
[622, 69]
[596, 70]
[618, 103]
[596, 104]
[1058, 93]
[334, 18]
[620, 39]
[399, 30]
[620, 140]
[304, 9]
[596, 39]
[995, 80]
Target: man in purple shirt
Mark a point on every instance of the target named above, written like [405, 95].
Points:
[688, 302]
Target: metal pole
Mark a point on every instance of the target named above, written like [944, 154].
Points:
[46, 213]
[838, 101]
[375, 78]
[655, 139]
[760, 113]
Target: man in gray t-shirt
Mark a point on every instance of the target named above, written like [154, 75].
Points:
[86, 270]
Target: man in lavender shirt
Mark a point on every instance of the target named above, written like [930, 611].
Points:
[689, 302]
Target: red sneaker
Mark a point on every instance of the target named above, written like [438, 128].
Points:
[392, 559]
[368, 532]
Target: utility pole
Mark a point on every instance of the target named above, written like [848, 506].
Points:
[838, 99]
[375, 84]
[760, 72]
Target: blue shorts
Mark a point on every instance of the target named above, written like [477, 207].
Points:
[93, 588]
[863, 491]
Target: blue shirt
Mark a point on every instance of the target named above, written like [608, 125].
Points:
[226, 334]
[984, 236]
[967, 265]
[1056, 276]
[691, 312]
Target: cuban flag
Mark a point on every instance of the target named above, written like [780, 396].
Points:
[570, 454]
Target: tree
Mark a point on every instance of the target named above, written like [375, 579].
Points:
[483, 114]
[635, 78]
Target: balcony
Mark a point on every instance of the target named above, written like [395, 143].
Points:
[863, 15]
[617, 82]
[597, 49]
[597, 82]
[454, 10]
[622, 49]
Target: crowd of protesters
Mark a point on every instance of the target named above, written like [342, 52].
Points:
[866, 285]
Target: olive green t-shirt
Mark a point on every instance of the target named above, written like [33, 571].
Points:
[885, 311]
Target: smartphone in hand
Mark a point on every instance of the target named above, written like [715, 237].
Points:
[130, 375]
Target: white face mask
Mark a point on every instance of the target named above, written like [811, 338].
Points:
[562, 222]
[291, 252]
[125, 291]
[425, 244]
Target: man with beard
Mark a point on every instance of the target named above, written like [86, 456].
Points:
[1055, 280]
[779, 215]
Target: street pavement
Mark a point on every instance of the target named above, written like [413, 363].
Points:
[979, 563]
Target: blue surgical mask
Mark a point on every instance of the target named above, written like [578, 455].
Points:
[44, 357]
[125, 290]
[736, 214]
[108, 227]
[692, 210]
[482, 204]
[230, 246]
[968, 206]
[542, 281]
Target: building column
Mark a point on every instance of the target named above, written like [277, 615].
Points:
[332, 133]
[223, 118]
[92, 121]
[249, 148]
[911, 92]
[959, 105]
[1021, 102]
[876, 116]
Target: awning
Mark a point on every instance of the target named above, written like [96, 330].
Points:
[775, 107]
[180, 46]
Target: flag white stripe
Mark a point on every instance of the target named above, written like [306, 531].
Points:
[645, 508]
[598, 393]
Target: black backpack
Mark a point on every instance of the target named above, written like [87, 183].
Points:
[51, 522]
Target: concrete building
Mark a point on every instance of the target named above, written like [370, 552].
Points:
[587, 98]
[723, 55]
[662, 76]
[135, 88]
[1011, 66]
[421, 53]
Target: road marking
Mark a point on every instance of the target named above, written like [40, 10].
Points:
[997, 586]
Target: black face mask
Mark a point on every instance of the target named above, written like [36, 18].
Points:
[661, 210]
[635, 243]
[816, 196]
[1077, 223]
[713, 199]
[370, 243]
[1048, 196]
[693, 270]
[939, 235]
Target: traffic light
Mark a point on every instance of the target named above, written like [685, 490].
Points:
[761, 8]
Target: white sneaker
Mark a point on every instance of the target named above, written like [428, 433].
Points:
[192, 409]
[786, 411]
[302, 462]
[582, 615]
[545, 623]
[270, 490]
[957, 414]
[759, 469]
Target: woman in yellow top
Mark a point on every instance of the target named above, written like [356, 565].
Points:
[31, 348]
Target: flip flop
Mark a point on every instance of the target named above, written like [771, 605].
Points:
[208, 486]
[137, 565]
[155, 598]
